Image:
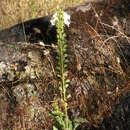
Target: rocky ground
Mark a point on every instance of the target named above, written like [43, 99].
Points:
[98, 49]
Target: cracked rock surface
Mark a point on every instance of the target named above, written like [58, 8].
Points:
[98, 53]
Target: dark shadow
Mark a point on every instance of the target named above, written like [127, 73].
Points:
[33, 31]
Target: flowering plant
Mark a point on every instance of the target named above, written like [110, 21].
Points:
[55, 18]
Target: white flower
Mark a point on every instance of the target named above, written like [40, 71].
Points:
[53, 19]
[66, 19]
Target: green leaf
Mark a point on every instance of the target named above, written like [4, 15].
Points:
[68, 96]
[60, 88]
[66, 61]
[65, 66]
[65, 73]
[54, 128]
[65, 55]
[67, 81]
[57, 113]
[76, 125]
[58, 68]
[60, 120]
[70, 125]
[81, 120]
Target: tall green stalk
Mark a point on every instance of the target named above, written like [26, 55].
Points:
[62, 121]
[62, 63]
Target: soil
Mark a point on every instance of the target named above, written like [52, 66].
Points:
[99, 58]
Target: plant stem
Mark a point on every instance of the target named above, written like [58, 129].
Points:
[61, 43]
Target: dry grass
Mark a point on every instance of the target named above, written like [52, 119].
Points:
[13, 11]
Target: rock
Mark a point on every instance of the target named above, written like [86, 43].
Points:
[97, 77]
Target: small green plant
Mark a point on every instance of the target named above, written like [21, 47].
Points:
[61, 118]
[62, 121]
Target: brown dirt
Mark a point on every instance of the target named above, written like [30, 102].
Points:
[98, 71]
